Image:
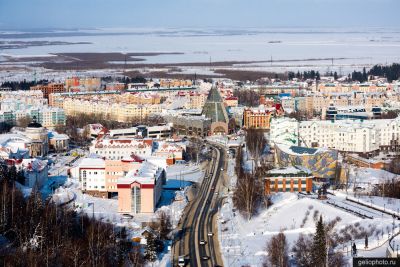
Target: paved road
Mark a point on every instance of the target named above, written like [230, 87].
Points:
[199, 218]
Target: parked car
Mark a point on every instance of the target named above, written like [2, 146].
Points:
[181, 261]
[127, 216]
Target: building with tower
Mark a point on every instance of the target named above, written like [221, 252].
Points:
[214, 109]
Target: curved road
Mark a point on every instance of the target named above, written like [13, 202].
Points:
[199, 219]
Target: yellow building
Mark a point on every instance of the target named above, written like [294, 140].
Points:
[175, 83]
[257, 118]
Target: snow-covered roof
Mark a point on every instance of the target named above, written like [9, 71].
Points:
[146, 174]
[92, 163]
[55, 135]
[292, 170]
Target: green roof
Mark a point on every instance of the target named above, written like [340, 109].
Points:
[213, 95]
[214, 109]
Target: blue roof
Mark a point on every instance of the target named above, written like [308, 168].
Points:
[303, 150]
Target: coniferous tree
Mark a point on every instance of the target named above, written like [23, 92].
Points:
[335, 75]
[150, 252]
[319, 245]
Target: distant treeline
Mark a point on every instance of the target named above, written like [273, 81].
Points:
[23, 85]
[125, 80]
[391, 72]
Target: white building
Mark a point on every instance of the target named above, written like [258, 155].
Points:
[92, 174]
[158, 132]
[35, 171]
[354, 136]
[284, 130]
[288, 104]
[360, 136]
[119, 148]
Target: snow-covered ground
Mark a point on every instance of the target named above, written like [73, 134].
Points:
[181, 173]
[367, 177]
[173, 199]
[243, 242]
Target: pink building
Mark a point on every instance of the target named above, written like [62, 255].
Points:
[140, 190]
[115, 169]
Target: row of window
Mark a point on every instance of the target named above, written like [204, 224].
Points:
[288, 182]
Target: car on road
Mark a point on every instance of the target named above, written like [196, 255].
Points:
[222, 169]
[210, 234]
[212, 187]
[203, 242]
[181, 261]
[205, 257]
[127, 216]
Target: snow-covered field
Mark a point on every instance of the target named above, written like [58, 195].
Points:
[366, 177]
[243, 242]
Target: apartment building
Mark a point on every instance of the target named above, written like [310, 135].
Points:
[82, 84]
[258, 118]
[22, 97]
[120, 148]
[359, 136]
[320, 103]
[175, 83]
[231, 101]
[50, 88]
[327, 88]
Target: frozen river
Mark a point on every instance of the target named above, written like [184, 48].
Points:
[339, 49]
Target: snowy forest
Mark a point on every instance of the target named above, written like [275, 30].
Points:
[36, 232]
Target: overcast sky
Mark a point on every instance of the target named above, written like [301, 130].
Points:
[22, 14]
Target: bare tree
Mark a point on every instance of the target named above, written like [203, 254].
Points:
[248, 193]
[255, 142]
[24, 121]
[162, 224]
[277, 249]
[302, 250]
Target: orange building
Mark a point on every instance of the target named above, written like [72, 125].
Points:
[257, 118]
[290, 179]
[231, 101]
[50, 88]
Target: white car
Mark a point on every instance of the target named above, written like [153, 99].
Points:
[181, 261]
[210, 234]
